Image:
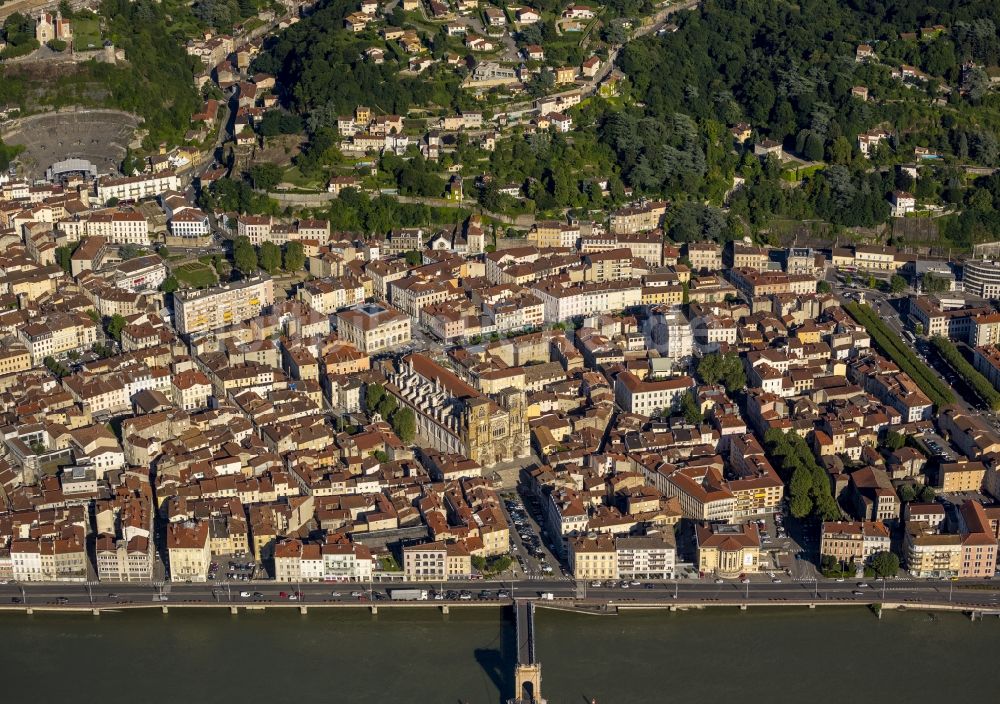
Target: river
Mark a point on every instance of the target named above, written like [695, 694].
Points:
[332, 657]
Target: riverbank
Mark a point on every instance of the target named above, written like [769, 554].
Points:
[415, 655]
[975, 610]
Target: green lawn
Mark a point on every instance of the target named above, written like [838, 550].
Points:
[86, 32]
[195, 274]
[295, 177]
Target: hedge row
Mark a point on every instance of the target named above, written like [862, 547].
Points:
[895, 349]
[979, 383]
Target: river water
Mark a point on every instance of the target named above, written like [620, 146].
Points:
[332, 657]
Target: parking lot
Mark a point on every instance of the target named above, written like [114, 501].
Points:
[235, 568]
[533, 557]
[938, 447]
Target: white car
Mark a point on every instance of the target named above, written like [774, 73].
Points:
[244, 595]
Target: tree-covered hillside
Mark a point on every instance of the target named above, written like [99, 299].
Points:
[789, 71]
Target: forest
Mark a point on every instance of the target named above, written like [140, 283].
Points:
[155, 82]
[788, 71]
[323, 74]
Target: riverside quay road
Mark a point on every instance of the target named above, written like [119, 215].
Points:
[965, 594]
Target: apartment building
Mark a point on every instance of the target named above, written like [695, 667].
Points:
[189, 224]
[295, 561]
[875, 258]
[191, 390]
[979, 542]
[704, 256]
[702, 492]
[372, 328]
[985, 330]
[593, 557]
[14, 357]
[58, 334]
[564, 300]
[744, 256]
[549, 233]
[649, 397]
[188, 551]
[227, 304]
[124, 560]
[58, 557]
[116, 226]
[437, 561]
[986, 360]
[964, 475]
[638, 218]
[955, 323]
[981, 277]
[928, 553]
[136, 187]
[647, 556]
[853, 541]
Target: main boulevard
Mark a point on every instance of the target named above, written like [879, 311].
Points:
[973, 594]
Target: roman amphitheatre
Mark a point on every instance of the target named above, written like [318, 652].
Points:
[96, 135]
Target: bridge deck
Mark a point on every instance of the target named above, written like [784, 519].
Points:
[525, 630]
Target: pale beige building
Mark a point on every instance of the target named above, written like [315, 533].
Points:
[188, 551]
[853, 541]
[372, 328]
[228, 304]
[593, 558]
[728, 550]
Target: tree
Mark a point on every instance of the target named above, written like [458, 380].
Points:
[270, 257]
[710, 368]
[64, 258]
[801, 506]
[244, 256]
[265, 176]
[934, 284]
[373, 395]
[728, 369]
[907, 493]
[277, 122]
[404, 424]
[823, 287]
[295, 258]
[897, 284]
[689, 407]
[169, 284]
[413, 257]
[884, 564]
[115, 326]
[386, 407]
[893, 441]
